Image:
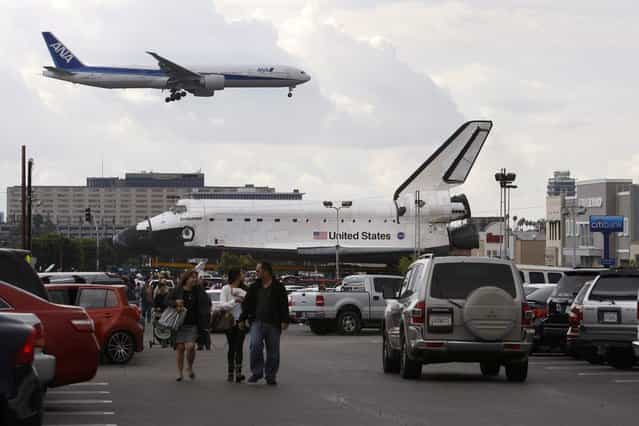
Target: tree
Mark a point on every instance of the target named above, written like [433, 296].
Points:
[231, 260]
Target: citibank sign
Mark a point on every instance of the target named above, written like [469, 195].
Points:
[606, 223]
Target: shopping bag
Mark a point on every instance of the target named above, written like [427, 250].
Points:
[172, 319]
[222, 320]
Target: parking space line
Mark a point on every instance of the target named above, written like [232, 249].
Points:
[78, 401]
[79, 413]
[573, 367]
[627, 381]
[90, 384]
[79, 392]
[610, 373]
[88, 424]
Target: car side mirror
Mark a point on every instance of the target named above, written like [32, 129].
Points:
[389, 293]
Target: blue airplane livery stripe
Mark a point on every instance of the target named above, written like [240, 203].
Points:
[160, 73]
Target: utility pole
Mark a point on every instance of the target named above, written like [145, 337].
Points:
[419, 204]
[23, 223]
[505, 180]
[29, 204]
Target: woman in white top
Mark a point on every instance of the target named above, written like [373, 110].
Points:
[231, 300]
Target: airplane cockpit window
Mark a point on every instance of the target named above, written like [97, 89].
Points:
[294, 220]
[277, 220]
[302, 72]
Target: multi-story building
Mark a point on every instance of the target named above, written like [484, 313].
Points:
[569, 238]
[118, 203]
[561, 184]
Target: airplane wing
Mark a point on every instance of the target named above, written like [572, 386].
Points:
[174, 70]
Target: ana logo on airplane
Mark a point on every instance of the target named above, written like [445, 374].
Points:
[264, 69]
[62, 51]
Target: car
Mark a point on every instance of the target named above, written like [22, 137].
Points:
[556, 323]
[356, 304]
[43, 362]
[537, 274]
[609, 323]
[117, 323]
[70, 333]
[529, 288]
[538, 303]
[574, 346]
[21, 394]
[458, 309]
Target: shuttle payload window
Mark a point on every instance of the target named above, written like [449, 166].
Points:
[229, 219]
[277, 220]
[247, 219]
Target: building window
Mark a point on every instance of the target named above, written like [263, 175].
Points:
[294, 220]
[211, 219]
[259, 219]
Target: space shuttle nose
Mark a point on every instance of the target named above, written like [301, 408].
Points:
[126, 238]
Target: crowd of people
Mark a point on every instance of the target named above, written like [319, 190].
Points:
[259, 311]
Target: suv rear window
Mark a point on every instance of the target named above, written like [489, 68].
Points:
[570, 284]
[457, 281]
[621, 287]
[15, 270]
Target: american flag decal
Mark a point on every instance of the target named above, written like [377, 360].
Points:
[320, 235]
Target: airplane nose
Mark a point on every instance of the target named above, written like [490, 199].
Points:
[307, 78]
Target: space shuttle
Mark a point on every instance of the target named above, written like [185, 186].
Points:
[421, 216]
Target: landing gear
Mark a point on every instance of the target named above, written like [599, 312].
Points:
[290, 91]
[175, 95]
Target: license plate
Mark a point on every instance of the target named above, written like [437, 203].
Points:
[436, 320]
[611, 317]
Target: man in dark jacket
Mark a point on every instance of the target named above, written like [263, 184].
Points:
[266, 308]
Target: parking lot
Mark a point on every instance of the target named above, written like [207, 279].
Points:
[338, 380]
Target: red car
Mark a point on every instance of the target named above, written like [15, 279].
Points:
[117, 324]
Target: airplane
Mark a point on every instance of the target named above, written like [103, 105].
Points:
[169, 76]
[417, 218]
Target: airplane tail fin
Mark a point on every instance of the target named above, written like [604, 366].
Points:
[450, 165]
[61, 55]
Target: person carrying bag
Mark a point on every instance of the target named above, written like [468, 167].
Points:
[230, 309]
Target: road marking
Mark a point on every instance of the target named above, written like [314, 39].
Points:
[555, 363]
[89, 424]
[79, 392]
[627, 381]
[610, 373]
[78, 401]
[573, 367]
[79, 413]
[89, 384]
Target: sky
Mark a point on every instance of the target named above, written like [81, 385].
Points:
[390, 81]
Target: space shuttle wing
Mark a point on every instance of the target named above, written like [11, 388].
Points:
[174, 70]
[451, 163]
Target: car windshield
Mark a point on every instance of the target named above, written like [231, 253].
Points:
[616, 287]
[450, 281]
[570, 284]
[541, 294]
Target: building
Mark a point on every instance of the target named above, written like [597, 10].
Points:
[118, 203]
[570, 240]
[561, 184]
[1, 217]
[525, 247]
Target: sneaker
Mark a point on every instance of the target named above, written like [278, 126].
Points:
[271, 382]
[254, 379]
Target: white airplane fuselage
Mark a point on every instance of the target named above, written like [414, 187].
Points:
[148, 78]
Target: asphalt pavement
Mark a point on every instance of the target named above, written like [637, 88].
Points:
[338, 380]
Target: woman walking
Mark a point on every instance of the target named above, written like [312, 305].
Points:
[190, 296]
[231, 300]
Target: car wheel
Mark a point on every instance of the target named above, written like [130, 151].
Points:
[593, 357]
[490, 369]
[390, 357]
[120, 347]
[408, 368]
[517, 371]
[621, 360]
[318, 327]
[349, 323]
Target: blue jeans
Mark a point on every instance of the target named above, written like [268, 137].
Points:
[264, 333]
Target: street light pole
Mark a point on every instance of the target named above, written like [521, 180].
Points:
[329, 205]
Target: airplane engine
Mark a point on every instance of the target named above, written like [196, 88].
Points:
[213, 82]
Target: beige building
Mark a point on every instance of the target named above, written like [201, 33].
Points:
[118, 203]
[554, 229]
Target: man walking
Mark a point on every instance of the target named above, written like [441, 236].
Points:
[266, 308]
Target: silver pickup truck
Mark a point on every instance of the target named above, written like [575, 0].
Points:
[357, 303]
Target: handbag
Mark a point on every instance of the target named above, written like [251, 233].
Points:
[222, 320]
[172, 319]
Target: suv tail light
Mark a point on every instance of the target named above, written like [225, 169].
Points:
[418, 313]
[526, 315]
[290, 301]
[575, 317]
[85, 325]
[26, 352]
[39, 336]
[319, 300]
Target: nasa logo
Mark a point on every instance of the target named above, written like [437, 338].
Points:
[62, 51]
[401, 235]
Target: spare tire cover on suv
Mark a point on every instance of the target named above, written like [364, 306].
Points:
[490, 313]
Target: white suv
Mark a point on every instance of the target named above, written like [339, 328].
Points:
[458, 309]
